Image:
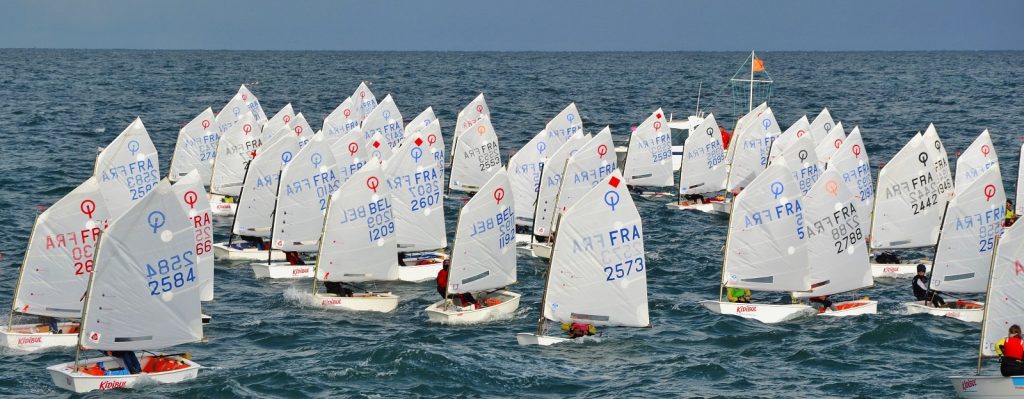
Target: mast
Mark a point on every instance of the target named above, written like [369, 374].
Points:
[320, 247]
[273, 217]
[874, 205]
[696, 111]
[725, 247]
[231, 233]
[750, 100]
[87, 295]
[21, 273]
[988, 298]
[547, 280]
[937, 241]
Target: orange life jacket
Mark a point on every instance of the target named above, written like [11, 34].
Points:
[1013, 348]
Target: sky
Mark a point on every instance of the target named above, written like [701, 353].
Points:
[515, 25]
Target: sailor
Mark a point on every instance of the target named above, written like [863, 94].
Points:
[726, 136]
[822, 302]
[294, 258]
[921, 291]
[337, 288]
[464, 299]
[741, 295]
[887, 257]
[1010, 215]
[1011, 353]
[577, 330]
[253, 241]
[128, 358]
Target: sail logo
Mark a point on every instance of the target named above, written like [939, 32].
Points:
[990, 191]
[856, 150]
[156, 220]
[191, 198]
[969, 385]
[113, 384]
[777, 188]
[611, 198]
[87, 207]
[94, 337]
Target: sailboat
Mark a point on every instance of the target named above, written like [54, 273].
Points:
[56, 269]
[1004, 307]
[851, 160]
[143, 295]
[191, 194]
[235, 149]
[363, 101]
[551, 179]
[415, 177]
[475, 157]
[975, 160]
[469, 116]
[702, 170]
[649, 156]
[305, 186]
[766, 246]
[831, 143]
[584, 170]
[341, 121]
[243, 108]
[840, 264]
[525, 167]
[386, 120]
[822, 125]
[971, 222]
[195, 148]
[358, 243]
[803, 161]
[255, 210]
[598, 269]
[483, 257]
[799, 130]
[128, 168]
[912, 191]
[748, 154]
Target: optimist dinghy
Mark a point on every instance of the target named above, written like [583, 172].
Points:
[415, 177]
[195, 149]
[483, 258]
[475, 157]
[243, 108]
[358, 244]
[306, 184]
[913, 189]
[1004, 307]
[552, 178]
[147, 259]
[963, 255]
[851, 160]
[766, 246]
[702, 170]
[386, 120]
[748, 153]
[190, 194]
[648, 160]
[598, 270]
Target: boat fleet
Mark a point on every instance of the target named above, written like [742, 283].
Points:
[125, 260]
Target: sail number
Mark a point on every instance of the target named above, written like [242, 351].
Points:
[425, 195]
[173, 272]
[625, 268]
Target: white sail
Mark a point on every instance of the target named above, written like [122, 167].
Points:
[471, 114]
[803, 162]
[526, 164]
[191, 195]
[598, 271]
[300, 129]
[749, 150]
[851, 160]
[649, 156]
[242, 104]
[564, 125]
[359, 233]
[938, 160]
[195, 149]
[475, 157]
[363, 101]
[822, 126]
[144, 292]
[416, 181]
[350, 151]
[306, 185]
[836, 226]
[484, 253]
[975, 160]
[255, 211]
[128, 168]
[385, 120]
[973, 219]
[766, 248]
[282, 118]
[60, 255]
[236, 148]
[910, 199]
[1019, 197]
[1005, 302]
[341, 121]
[420, 122]
[798, 130]
[551, 181]
[585, 169]
[703, 169]
[741, 124]
[831, 142]
[377, 146]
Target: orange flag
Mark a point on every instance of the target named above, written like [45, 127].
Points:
[758, 65]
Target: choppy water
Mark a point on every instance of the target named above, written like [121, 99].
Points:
[57, 106]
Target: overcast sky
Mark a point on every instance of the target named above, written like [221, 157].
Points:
[512, 25]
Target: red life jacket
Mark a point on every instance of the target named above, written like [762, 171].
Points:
[1013, 348]
[442, 280]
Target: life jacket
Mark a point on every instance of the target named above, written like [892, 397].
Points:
[1013, 348]
[726, 136]
[442, 280]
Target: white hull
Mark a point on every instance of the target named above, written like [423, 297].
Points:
[28, 338]
[419, 273]
[898, 270]
[765, 313]
[282, 270]
[852, 308]
[541, 250]
[542, 340]
[988, 386]
[523, 242]
[439, 313]
[220, 208]
[65, 377]
[972, 315]
[360, 302]
[716, 207]
[222, 251]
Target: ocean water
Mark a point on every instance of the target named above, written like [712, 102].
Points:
[57, 106]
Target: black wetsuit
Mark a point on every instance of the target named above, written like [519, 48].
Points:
[921, 292]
